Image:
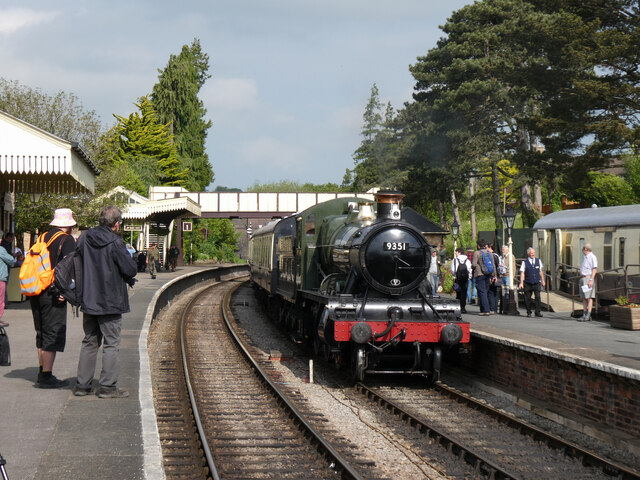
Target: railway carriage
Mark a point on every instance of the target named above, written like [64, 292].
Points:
[614, 235]
[348, 278]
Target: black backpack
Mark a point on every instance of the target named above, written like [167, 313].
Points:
[462, 272]
[68, 278]
[5, 350]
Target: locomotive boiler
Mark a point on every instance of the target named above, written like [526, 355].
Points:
[348, 278]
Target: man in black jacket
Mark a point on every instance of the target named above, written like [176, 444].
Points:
[107, 269]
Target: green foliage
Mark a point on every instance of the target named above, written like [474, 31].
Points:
[175, 98]
[61, 114]
[143, 151]
[35, 216]
[288, 186]
[632, 175]
[606, 190]
[377, 159]
[213, 239]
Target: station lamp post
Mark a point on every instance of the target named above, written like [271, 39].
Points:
[455, 230]
[509, 219]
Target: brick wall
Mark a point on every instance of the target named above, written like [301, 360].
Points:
[593, 394]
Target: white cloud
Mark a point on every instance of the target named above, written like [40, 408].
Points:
[230, 94]
[269, 153]
[13, 19]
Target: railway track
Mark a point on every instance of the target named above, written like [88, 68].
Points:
[496, 444]
[237, 425]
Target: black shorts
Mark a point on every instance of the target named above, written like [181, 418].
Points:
[50, 322]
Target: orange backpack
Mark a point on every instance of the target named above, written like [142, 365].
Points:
[36, 273]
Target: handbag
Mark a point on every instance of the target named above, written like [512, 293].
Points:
[456, 287]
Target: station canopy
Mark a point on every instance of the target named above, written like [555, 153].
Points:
[35, 161]
[140, 209]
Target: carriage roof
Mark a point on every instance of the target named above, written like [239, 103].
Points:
[621, 216]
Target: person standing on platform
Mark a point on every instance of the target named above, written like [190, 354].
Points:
[153, 256]
[174, 253]
[492, 294]
[483, 272]
[107, 269]
[472, 292]
[532, 280]
[6, 262]
[461, 270]
[434, 271]
[49, 309]
[588, 271]
[505, 276]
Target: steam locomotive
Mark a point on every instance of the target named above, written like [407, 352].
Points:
[348, 278]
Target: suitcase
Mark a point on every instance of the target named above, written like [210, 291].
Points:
[5, 350]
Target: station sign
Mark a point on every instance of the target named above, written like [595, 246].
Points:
[132, 228]
[187, 226]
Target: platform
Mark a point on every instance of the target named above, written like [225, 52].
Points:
[53, 434]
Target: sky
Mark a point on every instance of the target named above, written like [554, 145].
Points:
[290, 79]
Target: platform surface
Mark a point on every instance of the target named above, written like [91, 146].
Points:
[47, 434]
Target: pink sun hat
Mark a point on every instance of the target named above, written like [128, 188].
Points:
[63, 217]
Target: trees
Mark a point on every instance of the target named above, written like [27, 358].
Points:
[62, 114]
[175, 99]
[376, 159]
[138, 152]
[548, 87]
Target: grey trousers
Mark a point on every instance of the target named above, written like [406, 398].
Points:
[105, 330]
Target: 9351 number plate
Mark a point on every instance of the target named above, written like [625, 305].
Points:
[395, 246]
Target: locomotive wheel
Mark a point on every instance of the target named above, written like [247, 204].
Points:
[358, 364]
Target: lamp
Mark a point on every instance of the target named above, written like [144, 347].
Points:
[509, 219]
[455, 230]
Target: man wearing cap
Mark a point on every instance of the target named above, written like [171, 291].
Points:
[50, 309]
[153, 256]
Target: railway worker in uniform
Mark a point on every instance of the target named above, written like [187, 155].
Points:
[434, 271]
[588, 271]
[532, 280]
[107, 270]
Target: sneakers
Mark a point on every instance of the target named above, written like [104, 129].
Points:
[586, 317]
[112, 393]
[81, 392]
[4, 324]
[538, 315]
[50, 382]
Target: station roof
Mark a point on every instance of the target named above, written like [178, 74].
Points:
[421, 222]
[140, 208]
[623, 215]
[35, 161]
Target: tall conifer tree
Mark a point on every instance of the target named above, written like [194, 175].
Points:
[175, 99]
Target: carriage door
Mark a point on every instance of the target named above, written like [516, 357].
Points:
[555, 243]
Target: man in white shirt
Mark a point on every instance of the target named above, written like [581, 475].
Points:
[588, 271]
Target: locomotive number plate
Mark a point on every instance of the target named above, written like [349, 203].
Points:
[395, 246]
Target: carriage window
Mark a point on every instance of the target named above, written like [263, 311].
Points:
[607, 261]
[568, 251]
[621, 251]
